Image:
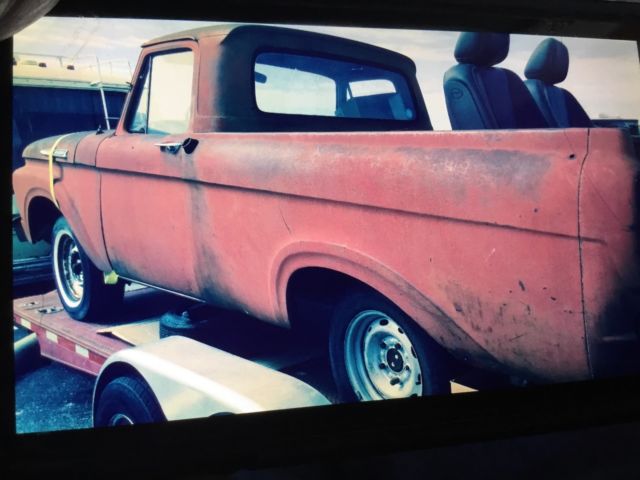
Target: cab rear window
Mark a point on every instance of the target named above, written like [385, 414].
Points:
[307, 85]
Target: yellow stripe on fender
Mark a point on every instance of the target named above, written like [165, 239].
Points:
[53, 148]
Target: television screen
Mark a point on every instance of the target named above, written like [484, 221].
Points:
[234, 226]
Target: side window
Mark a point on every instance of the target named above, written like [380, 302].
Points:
[164, 103]
[285, 89]
[362, 88]
[295, 84]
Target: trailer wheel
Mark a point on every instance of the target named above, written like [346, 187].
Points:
[377, 352]
[127, 401]
[80, 284]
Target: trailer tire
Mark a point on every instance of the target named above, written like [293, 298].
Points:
[80, 284]
[127, 400]
[377, 352]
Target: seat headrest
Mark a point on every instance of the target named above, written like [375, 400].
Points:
[549, 62]
[482, 48]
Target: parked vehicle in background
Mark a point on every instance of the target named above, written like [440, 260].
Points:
[52, 96]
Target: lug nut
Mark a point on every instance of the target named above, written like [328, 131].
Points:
[382, 366]
[394, 381]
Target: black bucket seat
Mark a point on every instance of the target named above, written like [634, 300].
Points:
[482, 96]
[547, 66]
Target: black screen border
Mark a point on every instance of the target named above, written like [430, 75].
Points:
[326, 434]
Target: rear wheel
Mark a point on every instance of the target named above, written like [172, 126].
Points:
[127, 401]
[80, 284]
[377, 352]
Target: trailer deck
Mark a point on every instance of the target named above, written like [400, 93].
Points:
[86, 346]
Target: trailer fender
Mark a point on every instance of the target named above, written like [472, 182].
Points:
[193, 380]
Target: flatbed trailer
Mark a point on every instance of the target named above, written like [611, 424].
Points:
[244, 365]
[87, 346]
[241, 369]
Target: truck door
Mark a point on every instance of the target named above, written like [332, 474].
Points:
[146, 214]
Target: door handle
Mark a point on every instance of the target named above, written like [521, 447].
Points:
[170, 147]
[189, 145]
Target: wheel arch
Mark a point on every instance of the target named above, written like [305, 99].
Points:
[304, 262]
[350, 268]
[41, 215]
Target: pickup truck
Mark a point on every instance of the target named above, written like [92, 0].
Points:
[295, 176]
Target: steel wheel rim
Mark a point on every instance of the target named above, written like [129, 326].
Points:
[380, 360]
[120, 419]
[68, 269]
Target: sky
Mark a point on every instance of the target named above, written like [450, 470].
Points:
[604, 75]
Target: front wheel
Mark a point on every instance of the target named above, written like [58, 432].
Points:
[377, 352]
[80, 284]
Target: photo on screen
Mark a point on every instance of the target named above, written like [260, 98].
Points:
[217, 219]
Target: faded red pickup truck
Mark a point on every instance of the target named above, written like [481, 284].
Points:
[295, 175]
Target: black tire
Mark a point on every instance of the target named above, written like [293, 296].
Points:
[377, 352]
[80, 285]
[127, 400]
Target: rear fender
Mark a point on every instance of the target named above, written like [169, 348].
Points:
[379, 277]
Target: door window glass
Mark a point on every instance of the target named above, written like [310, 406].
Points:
[164, 103]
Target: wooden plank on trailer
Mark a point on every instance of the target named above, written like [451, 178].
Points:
[137, 333]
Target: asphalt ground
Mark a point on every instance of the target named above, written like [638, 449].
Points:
[49, 396]
[53, 397]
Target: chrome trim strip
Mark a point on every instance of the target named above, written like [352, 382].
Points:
[162, 289]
